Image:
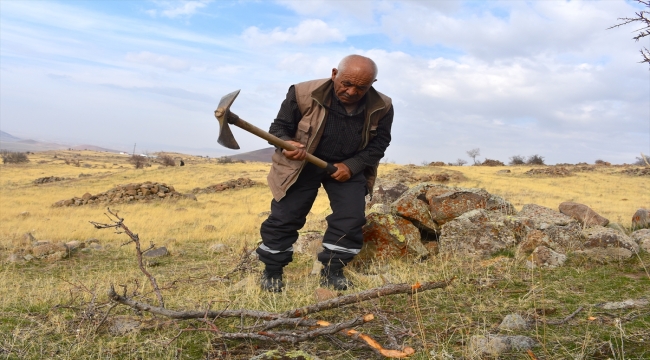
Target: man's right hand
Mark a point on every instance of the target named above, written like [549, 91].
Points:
[299, 154]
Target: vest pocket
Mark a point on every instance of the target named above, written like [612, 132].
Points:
[303, 133]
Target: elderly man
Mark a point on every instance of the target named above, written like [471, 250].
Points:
[344, 121]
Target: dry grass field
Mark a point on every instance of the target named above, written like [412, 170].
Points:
[57, 309]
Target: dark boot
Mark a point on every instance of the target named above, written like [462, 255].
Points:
[334, 278]
[272, 281]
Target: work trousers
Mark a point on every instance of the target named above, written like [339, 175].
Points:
[342, 239]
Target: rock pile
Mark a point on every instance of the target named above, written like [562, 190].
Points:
[407, 175]
[48, 179]
[51, 251]
[555, 171]
[240, 183]
[637, 171]
[472, 222]
[135, 192]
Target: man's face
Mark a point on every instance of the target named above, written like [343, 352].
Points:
[353, 83]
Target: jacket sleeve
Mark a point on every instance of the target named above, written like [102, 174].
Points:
[285, 124]
[374, 151]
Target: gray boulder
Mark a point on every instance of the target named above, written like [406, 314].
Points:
[477, 232]
[607, 244]
[495, 345]
[641, 219]
[583, 213]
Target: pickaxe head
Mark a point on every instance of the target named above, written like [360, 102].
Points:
[222, 114]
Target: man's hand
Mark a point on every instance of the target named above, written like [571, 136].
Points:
[299, 154]
[342, 174]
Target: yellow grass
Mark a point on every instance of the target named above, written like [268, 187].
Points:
[29, 291]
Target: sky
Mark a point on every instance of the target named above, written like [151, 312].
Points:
[507, 77]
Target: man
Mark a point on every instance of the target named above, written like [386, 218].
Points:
[344, 121]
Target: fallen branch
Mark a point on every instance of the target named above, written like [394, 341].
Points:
[386, 290]
[118, 223]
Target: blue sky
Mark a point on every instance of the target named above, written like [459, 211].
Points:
[508, 77]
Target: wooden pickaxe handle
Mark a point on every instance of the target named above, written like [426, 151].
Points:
[241, 123]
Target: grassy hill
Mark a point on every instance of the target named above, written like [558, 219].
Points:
[59, 309]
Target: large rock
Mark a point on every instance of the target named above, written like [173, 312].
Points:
[642, 237]
[641, 219]
[387, 236]
[449, 205]
[156, 253]
[547, 227]
[387, 192]
[415, 209]
[607, 244]
[513, 322]
[477, 232]
[583, 213]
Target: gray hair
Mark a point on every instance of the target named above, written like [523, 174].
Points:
[346, 61]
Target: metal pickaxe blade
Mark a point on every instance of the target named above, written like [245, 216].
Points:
[226, 138]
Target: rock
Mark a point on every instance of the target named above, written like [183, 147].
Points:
[28, 257]
[495, 345]
[389, 236]
[264, 214]
[641, 219]
[583, 213]
[155, 253]
[121, 325]
[513, 322]
[310, 243]
[475, 233]
[94, 246]
[504, 172]
[627, 304]
[642, 237]
[379, 209]
[44, 250]
[497, 203]
[15, 257]
[545, 257]
[59, 255]
[240, 183]
[75, 245]
[448, 206]
[322, 294]
[618, 227]
[24, 214]
[86, 196]
[387, 192]
[414, 208]
[605, 244]
[218, 248]
[432, 247]
[210, 228]
[92, 241]
[544, 226]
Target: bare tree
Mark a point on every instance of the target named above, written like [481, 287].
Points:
[460, 162]
[643, 17]
[474, 153]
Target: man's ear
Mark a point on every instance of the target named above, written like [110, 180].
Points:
[334, 73]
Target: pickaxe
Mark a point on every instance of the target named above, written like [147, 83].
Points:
[225, 117]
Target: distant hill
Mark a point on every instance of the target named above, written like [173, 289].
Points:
[8, 137]
[93, 148]
[262, 155]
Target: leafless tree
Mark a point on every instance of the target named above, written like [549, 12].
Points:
[10, 157]
[460, 162]
[474, 153]
[166, 160]
[642, 17]
[138, 161]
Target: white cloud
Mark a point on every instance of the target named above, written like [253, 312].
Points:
[178, 8]
[308, 32]
[158, 60]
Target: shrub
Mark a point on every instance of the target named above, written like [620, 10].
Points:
[166, 160]
[517, 160]
[228, 160]
[10, 157]
[459, 162]
[437, 163]
[490, 162]
[138, 161]
[640, 161]
[602, 162]
[535, 160]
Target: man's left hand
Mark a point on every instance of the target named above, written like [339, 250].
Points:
[342, 174]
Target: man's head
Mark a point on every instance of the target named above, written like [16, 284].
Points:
[353, 78]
